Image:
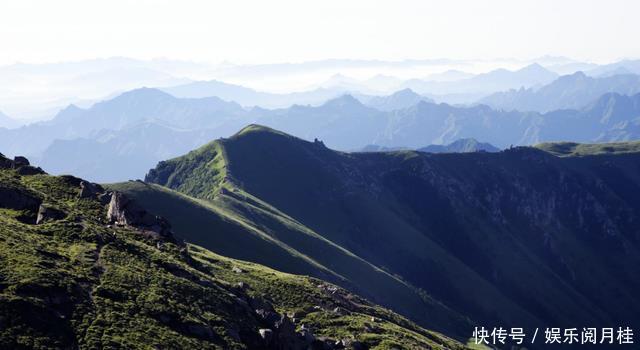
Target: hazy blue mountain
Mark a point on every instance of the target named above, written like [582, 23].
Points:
[111, 156]
[398, 100]
[343, 82]
[150, 124]
[8, 122]
[429, 123]
[612, 117]
[377, 148]
[59, 84]
[249, 97]
[615, 71]
[343, 123]
[487, 83]
[225, 91]
[571, 67]
[128, 108]
[632, 66]
[149, 104]
[461, 146]
[567, 92]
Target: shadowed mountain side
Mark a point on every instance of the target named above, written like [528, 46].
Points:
[239, 226]
[533, 236]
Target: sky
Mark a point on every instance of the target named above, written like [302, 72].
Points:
[250, 32]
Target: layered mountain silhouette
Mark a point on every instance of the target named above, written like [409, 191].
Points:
[122, 111]
[458, 146]
[139, 128]
[486, 83]
[567, 92]
[398, 100]
[461, 146]
[519, 237]
[249, 97]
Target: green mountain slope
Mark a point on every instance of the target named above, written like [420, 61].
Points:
[588, 149]
[237, 225]
[84, 268]
[516, 238]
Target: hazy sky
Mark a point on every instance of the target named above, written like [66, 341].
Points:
[296, 30]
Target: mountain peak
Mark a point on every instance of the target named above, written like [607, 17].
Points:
[343, 101]
[578, 75]
[145, 92]
[406, 92]
[534, 67]
[257, 129]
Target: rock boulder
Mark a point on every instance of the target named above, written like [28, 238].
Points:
[125, 212]
[46, 214]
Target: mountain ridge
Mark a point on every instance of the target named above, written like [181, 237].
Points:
[370, 204]
[573, 91]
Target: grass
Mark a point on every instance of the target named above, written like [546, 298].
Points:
[80, 283]
[241, 226]
[572, 149]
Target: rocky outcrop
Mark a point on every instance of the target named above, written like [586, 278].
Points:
[20, 164]
[124, 211]
[19, 161]
[46, 214]
[89, 190]
[280, 331]
[17, 199]
[20, 200]
[5, 163]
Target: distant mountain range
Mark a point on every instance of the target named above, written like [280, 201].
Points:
[445, 80]
[467, 145]
[143, 126]
[250, 97]
[39, 91]
[461, 146]
[486, 83]
[626, 66]
[398, 100]
[567, 92]
[450, 86]
[8, 122]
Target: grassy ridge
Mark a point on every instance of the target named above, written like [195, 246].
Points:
[566, 149]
